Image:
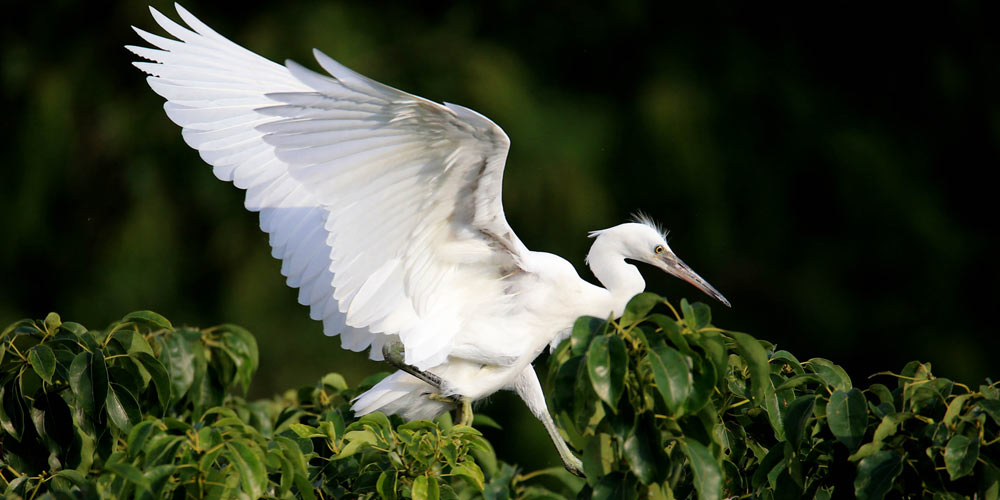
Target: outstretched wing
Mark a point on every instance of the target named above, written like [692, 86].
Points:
[384, 207]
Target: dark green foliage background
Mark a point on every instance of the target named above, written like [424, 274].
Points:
[821, 167]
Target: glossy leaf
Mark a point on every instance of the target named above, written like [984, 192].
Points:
[158, 376]
[876, 474]
[832, 375]
[847, 416]
[644, 453]
[672, 376]
[796, 419]
[43, 361]
[606, 366]
[149, 317]
[756, 360]
[638, 307]
[253, 476]
[425, 488]
[960, 456]
[707, 473]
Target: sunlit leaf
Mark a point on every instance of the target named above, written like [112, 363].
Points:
[606, 366]
[386, 485]
[253, 475]
[833, 375]
[43, 361]
[149, 317]
[471, 471]
[638, 307]
[425, 489]
[960, 456]
[707, 474]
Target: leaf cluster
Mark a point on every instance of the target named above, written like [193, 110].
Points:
[669, 406]
[146, 410]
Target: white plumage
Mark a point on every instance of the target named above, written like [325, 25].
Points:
[385, 210]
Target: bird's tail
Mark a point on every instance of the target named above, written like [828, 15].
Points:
[401, 394]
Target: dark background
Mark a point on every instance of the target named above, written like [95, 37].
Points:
[827, 170]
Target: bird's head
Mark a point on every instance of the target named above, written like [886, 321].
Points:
[644, 241]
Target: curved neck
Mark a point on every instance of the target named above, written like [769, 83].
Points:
[621, 279]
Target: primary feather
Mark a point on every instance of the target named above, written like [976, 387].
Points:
[383, 206]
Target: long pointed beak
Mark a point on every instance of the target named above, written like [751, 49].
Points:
[675, 266]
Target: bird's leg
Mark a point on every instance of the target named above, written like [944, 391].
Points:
[465, 412]
[526, 385]
[395, 356]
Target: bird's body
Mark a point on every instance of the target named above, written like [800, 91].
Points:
[385, 209]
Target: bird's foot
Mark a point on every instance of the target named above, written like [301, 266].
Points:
[573, 465]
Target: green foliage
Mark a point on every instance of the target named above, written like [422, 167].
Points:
[669, 406]
[661, 404]
[147, 410]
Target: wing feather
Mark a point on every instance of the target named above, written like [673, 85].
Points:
[365, 191]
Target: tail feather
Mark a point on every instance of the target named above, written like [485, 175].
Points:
[400, 394]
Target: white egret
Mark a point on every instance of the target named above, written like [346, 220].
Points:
[385, 210]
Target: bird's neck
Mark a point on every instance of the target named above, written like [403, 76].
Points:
[621, 279]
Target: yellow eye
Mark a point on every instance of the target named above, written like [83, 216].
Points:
[659, 249]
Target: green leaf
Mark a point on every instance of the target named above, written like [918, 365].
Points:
[606, 366]
[158, 375]
[583, 330]
[833, 375]
[645, 453]
[672, 376]
[138, 435]
[687, 315]
[798, 380]
[129, 472]
[702, 315]
[960, 456]
[122, 408]
[386, 485]
[755, 357]
[253, 475]
[149, 317]
[334, 380]
[12, 410]
[481, 420]
[179, 363]
[638, 307]
[707, 473]
[955, 409]
[796, 418]
[43, 361]
[703, 378]
[876, 474]
[356, 440]
[598, 457]
[847, 417]
[88, 379]
[425, 489]
[470, 470]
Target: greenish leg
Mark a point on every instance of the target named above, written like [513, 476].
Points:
[395, 356]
